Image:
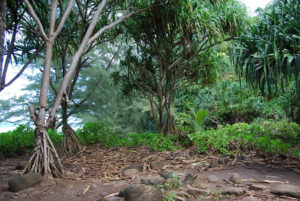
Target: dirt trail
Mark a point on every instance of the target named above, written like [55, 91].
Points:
[98, 172]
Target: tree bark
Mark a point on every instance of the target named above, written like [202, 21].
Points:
[71, 142]
[2, 35]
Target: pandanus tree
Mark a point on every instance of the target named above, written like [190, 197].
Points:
[166, 46]
[267, 53]
[64, 47]
[45, 158]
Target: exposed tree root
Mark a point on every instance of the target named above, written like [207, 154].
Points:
[71, 142]
[44, 159]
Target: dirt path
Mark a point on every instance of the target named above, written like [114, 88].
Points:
[98, 172]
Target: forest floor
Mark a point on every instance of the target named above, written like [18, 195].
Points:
[98, 172]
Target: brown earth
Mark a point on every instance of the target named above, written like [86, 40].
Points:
[97, 172]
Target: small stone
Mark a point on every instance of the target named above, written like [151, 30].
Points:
[223, 160]
[167, 174]
[235, 178]
[188, 178]
[200, 183]
[152, 180]
[138, 166]
[286, 189]
[113, 198]
[130, 172]
[233, 191]
[141, 192]
[156, 165]
[20, 182]
[241, 158]
[196, 191]
[213, 164]
[212, 178]
[250, 198]
[257, 187]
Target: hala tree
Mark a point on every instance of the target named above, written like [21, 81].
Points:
[267, 53]
[45, 158]
[166, 46]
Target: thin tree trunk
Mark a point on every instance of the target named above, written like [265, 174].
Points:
[71, 142]
[153, 113]
[2, 35]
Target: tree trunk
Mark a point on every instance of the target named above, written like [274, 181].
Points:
[71, 142]
[44, 159]
[2, 35]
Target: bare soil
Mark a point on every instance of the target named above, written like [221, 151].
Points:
[97, 172]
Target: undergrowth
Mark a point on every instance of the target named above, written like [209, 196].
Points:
[21, 141]
[99, 132]
[268, 136]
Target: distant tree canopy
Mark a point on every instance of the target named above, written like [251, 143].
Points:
[268, 51]
[168, 44]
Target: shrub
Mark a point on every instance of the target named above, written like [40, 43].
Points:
[153, 140]
[21, 140]
[270, 136]
[98, 132]
[17, 142]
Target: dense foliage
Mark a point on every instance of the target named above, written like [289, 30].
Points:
[268, 136]
[268, 51]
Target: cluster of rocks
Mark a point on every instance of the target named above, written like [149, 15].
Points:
[192, 186]
[182, 186]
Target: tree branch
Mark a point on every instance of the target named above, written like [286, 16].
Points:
[64, 17]
[25, 66]
[36, 19]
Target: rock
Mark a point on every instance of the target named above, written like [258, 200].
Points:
[188, 178]
[241, 157]
[20, 182]
[212, 178]
[223, 160]
[200, 183]
[196, 191]
[286, 189]
[21, 165]
[167, 174]
[235, 178]
[213, 164]
[141, 192]
[156, 165]
[138, 166]
[250, 198]
[233, 191]
[130, 172]
[113, 198]
[152, 180]
[257, 187]
[47, 181]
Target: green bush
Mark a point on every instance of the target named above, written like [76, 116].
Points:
[98, 132]
[17, 142]
[153, 140]
[270, 136]
[21, 140]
